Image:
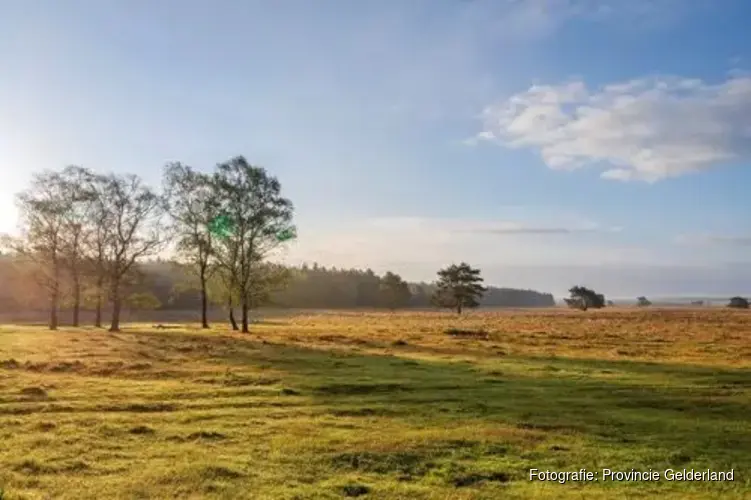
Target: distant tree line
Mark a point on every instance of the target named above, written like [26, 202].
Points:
[581, 297]
[736, 302]
[168, 285]
[86, 239]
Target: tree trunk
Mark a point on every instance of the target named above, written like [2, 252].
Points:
[53, 309]
[76, 279]
[244, 306]
[54, 295]
[76, 301]
[98, 313]
[459, 308]
[116, 306]
[204, 302]
[232, 314]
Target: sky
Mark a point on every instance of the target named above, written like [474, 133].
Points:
[549, 143]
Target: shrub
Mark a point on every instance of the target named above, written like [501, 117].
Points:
[583, 298]
[739, 303]
[471, 334]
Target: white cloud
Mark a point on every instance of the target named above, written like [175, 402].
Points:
[647, 129]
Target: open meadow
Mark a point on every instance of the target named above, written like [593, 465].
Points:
[379, 405]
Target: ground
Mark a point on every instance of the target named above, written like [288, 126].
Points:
[402, 405]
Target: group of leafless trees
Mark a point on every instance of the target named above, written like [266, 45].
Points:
[84, 234]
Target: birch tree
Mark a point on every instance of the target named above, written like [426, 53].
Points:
[192, 206]
[42, 208]
[135, 212]
[260, 219]
[78, 200]
[100, 222]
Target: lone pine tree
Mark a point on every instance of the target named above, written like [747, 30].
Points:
[459, 286]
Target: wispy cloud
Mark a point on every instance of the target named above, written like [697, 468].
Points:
[732, 240]
[526, 20]
[646, 129]
[715, 239]
[431, 60]
[547, 257]
[530, 230]
[510, 228]
[565, 224]
[418, 246]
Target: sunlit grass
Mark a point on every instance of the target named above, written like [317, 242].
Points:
[378, 406]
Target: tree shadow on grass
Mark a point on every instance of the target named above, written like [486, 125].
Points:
[699, 412]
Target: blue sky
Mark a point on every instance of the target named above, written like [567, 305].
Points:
[550, 143]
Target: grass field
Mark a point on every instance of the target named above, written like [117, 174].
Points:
[405, 405]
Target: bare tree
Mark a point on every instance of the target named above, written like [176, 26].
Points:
[100, 220]
[192, 207]
[42, 210]
[257, 214]
[135, 212]
[79, 200]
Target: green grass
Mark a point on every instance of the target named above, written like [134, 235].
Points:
[373, 406]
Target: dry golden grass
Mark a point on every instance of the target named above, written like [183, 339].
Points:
[702, 336]
[382, 405]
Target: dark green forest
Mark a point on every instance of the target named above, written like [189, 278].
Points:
[163, 285]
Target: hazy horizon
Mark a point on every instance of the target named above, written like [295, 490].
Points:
[549, 143]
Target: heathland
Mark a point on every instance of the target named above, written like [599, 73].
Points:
[378, 405]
